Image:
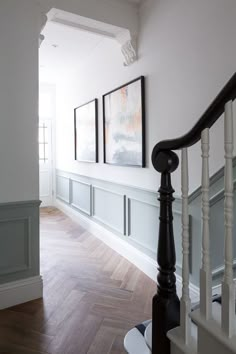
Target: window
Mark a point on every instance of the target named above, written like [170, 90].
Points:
[43, 143]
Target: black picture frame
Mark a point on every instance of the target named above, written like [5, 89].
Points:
[86, 134]
[123, 157]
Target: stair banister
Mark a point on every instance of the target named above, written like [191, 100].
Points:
[211, 115]
[166, 306]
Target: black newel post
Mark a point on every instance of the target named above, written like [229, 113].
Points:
[166, 304]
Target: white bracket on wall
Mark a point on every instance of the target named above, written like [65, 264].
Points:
[43, 21]
[124, 38]
[128, 46]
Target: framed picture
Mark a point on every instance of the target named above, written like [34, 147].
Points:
[86, 132]
[124, 125]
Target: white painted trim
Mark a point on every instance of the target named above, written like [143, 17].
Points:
[20, 291]
[145, 263]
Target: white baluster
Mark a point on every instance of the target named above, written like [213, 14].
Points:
[185, 300]
[205, 272]
[228, 291]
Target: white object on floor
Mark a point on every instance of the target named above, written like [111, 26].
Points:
[148, 336]
[134, 343]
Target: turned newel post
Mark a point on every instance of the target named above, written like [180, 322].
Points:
[166, 304]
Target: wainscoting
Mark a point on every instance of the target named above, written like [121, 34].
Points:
[19, 254]
[92, 296]
[132, 215]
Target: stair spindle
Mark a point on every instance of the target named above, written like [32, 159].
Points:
[228, 288]
[205, 272]
[185, 300]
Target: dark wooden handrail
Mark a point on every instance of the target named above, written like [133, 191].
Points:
[166, 304]
[211, 115]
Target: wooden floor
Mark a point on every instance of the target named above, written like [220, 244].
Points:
[92, 296]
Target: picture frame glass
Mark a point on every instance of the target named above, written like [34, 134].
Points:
[123, 115]
[85, 120]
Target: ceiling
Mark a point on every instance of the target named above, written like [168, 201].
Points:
[64, 48]
[138, 2]
[135, 1]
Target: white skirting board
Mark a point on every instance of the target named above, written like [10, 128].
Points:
[20, 291]
[145, 263]
[139, 259]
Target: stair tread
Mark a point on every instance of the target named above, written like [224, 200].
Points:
[176, 337]
[213, 325]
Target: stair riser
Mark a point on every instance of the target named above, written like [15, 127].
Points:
[209, 343]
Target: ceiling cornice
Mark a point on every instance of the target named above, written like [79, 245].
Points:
[126, 40]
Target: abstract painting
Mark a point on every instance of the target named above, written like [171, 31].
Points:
[123, 124]
[86, 132]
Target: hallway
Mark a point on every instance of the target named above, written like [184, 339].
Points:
[92, 296]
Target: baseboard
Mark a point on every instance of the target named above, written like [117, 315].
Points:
[216, 290]
[18, 292]
[145, 263]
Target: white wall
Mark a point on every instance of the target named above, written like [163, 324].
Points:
[18, 100]
[187, 53]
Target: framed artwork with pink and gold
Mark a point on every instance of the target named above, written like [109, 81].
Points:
[86, 132]
[124, 124]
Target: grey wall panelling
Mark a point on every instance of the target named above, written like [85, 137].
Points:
[133, 214]
[19, 236]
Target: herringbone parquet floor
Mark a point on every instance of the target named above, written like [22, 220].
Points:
[92, 296]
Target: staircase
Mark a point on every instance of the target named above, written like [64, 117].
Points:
[176, 327]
